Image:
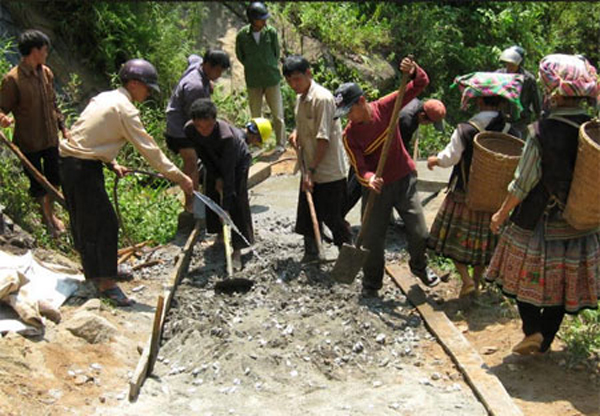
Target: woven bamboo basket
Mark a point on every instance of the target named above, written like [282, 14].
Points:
[495, 159]
[583, 204]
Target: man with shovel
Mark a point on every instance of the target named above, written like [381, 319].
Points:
[28, 93]
[318, 139]
[224, 152]
[364, 137]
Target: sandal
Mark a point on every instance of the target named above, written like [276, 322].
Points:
[116, 295]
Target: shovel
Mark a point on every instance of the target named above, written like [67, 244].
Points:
[351, 259]
[311, 207]
[227, 243]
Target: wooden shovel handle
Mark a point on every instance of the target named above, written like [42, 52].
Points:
[384, 155]
[34, 172]
[310, 202]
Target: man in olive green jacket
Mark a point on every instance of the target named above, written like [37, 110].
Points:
[257, 48]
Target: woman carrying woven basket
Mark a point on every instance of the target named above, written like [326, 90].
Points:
[541, 260]
[458, 232]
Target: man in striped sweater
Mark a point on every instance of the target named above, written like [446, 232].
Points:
[397, 187]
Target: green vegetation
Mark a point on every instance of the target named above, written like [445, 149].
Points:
[581, 333]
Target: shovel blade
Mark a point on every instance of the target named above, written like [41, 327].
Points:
[349, 263]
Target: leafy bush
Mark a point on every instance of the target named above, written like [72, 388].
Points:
[343, 26]
[581, 333]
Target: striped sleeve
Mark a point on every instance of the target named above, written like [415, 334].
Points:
[356, 160]
[529, 170]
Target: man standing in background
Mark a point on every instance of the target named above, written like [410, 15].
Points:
[257, 48]
[28, 93]
[512, 58]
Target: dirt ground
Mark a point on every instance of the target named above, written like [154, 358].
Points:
[59, 373]
[539, 385]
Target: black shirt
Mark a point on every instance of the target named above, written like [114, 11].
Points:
[224, 153]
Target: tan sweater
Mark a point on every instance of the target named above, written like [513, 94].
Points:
[107, 123]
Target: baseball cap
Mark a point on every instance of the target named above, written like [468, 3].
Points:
[435, 111]
[345, 97]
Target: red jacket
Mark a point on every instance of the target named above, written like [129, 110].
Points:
[364, 141]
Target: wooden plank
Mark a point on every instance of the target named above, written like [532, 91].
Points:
[156, 332]
[144, 366]
[146, 362]
[485, 385]
[259, 172]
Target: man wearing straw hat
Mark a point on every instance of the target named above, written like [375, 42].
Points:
[458, 232]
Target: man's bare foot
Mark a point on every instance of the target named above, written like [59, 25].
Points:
[58, 224]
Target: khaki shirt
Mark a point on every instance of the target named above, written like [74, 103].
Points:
[28, 94]
[314, 121]
[107, 123]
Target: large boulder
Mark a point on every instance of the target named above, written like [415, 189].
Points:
[91, 327]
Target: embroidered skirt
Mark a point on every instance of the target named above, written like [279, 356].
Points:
[461, 234]
[547, 273]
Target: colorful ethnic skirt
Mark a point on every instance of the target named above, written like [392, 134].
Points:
[547, 272]
[461, 234]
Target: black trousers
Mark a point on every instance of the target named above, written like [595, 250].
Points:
[94, 224]
[353, 192]
[544, 320]
[328, 199]
[240, 209]
[46, 162]
[403, 196]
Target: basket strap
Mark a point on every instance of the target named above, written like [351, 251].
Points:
[477, 126]
[565, 120]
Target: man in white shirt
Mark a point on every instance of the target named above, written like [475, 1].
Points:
[108, 122]
[319, 140]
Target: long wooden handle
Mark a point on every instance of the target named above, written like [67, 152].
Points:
[384, 155]
[310, 202]
[34, 172]
[227, 243]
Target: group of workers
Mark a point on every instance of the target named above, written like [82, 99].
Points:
[549, 267]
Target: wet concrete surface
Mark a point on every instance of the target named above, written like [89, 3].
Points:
[297, 343]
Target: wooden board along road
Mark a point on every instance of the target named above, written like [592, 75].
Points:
[485, 385]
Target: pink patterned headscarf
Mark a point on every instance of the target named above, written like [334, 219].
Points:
[489, 84]
[568, 75]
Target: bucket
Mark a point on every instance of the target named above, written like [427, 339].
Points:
[582, 210]
[495, 159]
